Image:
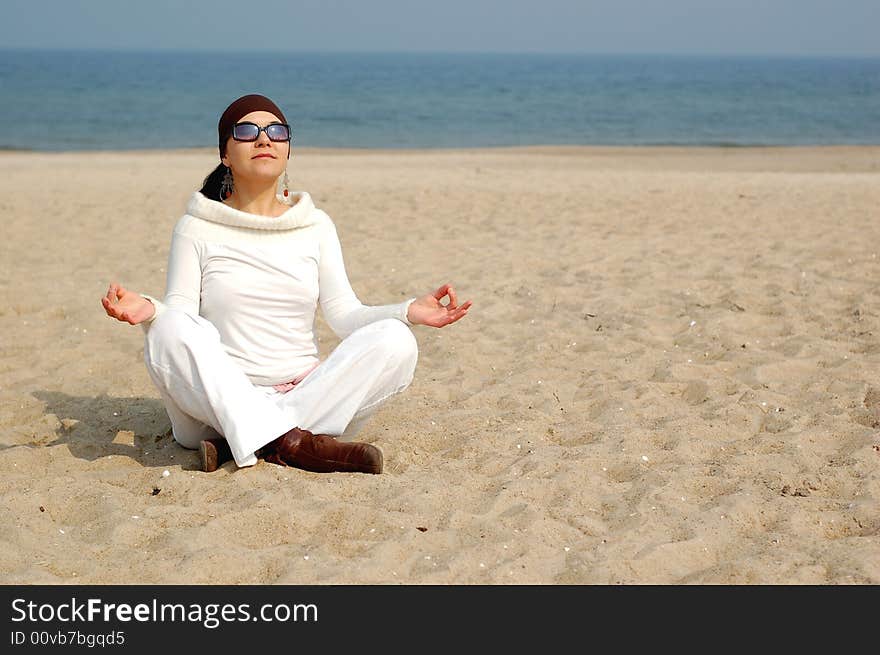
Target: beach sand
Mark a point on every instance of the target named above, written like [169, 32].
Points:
[670, 374]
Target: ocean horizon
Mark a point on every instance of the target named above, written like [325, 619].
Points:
[67, 100]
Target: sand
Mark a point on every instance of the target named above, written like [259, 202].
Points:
[670, 374]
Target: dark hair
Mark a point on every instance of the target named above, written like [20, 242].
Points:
[211, 186]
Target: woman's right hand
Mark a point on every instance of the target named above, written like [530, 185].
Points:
[127, 306]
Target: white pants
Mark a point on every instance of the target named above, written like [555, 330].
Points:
[206, 394]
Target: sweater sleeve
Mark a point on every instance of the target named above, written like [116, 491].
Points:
[339, 304]
[184, 279]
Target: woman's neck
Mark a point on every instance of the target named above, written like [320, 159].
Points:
[256, 199]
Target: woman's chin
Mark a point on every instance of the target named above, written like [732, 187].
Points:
[264, 173]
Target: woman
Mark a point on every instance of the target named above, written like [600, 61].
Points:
[232, 347]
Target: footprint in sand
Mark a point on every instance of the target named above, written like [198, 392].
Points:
[869, 415]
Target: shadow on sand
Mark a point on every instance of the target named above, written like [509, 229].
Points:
[97, 426]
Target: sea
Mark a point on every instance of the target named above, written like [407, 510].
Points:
[81, 100]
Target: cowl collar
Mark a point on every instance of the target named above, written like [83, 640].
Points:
[302, 212]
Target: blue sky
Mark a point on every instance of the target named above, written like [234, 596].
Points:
[739, 27]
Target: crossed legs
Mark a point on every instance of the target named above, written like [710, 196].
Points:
[207, 396]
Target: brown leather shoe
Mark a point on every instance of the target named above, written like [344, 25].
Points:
[321, 453]
[213, 453]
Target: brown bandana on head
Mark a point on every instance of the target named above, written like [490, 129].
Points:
[242, 107]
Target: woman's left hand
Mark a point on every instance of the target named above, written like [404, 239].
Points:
[428, 310]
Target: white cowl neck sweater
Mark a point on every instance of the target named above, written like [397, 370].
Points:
[259, 280]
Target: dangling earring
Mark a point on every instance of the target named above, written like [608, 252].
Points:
[285, 183]
[226, 185]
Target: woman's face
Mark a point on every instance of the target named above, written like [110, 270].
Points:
[260, 159]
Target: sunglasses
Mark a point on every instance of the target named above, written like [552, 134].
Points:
[251, 131]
